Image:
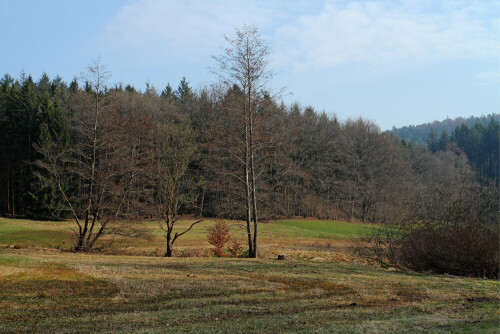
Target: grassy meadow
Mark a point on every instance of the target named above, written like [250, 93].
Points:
[322, 288]
[296, 238]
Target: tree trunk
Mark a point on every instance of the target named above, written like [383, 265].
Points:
[248, 193]
[254, 192]
[168, 251]
[9, 186]
[200, 212]
[12, 190]
[80, 245]
[249, 216]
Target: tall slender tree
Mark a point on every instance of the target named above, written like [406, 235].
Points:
[243, 69]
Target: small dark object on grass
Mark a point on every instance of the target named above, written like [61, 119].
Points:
[282, 257]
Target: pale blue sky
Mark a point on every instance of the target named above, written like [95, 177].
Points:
[393, 62]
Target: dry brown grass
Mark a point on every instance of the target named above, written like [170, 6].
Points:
[75, 293]
[323, 288]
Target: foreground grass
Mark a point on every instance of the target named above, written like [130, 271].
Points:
[75, 293]
[323, 288]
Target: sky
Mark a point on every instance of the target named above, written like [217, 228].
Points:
[395, 63]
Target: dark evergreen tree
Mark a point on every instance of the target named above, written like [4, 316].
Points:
[7, 89]
[490, 146]
[168, 93]
[432, 141]
[73, 86]
[184, 93]
[43, 199]
[130, 89]
[444, 139]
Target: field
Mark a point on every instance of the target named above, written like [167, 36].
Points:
[322, 288]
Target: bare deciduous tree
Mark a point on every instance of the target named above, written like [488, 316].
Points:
[104, 161]
[452, 226]
[375, 173]
[243, 72]
[173, 150]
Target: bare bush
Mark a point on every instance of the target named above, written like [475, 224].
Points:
[381, 246]
[468, 250]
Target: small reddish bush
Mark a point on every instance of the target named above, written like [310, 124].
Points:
[218, 236]
[234, 248]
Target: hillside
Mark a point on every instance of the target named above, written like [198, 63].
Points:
[419, 133]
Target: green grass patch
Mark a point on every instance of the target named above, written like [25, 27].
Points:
[31, 233]
[322, 229]
[14, 260]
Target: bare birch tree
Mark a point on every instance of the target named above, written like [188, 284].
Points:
[243, 70]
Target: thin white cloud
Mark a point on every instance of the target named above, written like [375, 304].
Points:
[184, 28]
[382, 32]
[310, 36]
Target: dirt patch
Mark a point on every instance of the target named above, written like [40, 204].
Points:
[407, 293]
[482, 299]
[316, 288]
[54, 282]
[8, 270]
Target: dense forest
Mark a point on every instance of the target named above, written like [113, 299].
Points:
[314, 164]
[106, 156]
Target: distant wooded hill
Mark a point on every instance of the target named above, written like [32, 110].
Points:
[478, 137]
[419, 133]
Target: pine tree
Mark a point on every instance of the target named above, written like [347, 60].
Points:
[43, 199]
[184, 93]
[432, 142]
[168, 93]
[444, 139]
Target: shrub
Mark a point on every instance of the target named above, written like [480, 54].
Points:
[218, 236]
[235, 248]
[443, 248]
[452, 226]
[380, 246]
[465, 250]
